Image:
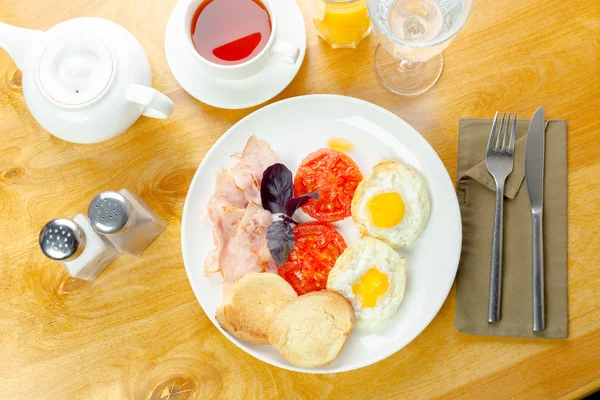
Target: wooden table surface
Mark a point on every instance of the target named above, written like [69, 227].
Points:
[138, 332]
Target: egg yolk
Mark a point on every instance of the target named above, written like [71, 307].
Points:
[371, 286]
[340, 144]
[387, 209]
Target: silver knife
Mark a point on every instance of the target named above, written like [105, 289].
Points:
[534, 176]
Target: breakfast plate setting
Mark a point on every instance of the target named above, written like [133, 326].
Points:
[390, 159]
[320, 233]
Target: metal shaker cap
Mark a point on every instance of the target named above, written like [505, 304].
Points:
[62, 239]
[109, 212]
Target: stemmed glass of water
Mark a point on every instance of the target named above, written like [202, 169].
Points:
[412, 35]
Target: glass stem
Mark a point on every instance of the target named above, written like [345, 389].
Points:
[408, 65]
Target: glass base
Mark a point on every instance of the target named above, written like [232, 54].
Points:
[342, 45]
[406, 78]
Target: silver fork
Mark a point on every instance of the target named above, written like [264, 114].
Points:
[499, 161]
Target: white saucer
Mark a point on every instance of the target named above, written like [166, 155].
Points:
[234, 94]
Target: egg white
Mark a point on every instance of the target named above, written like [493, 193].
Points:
[388, 177]
[352, 265]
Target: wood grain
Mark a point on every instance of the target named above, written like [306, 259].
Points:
[138, 332]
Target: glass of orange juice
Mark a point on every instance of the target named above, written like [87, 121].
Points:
[341, 23]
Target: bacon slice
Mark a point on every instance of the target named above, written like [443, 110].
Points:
[225, 210]
[240, 223]
[225, 218]
[248, 172]
[247, 252]
[225, 188]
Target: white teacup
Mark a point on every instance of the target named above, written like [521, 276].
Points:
[283, 51]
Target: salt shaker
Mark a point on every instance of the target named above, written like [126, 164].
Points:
[125, 221]
[74, 243]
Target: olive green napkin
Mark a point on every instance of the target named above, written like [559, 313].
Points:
[476, 194]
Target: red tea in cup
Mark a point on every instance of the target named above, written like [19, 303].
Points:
[230, 32]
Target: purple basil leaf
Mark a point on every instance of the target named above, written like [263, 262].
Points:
[280, 240]
[276, 188]
[293, 204]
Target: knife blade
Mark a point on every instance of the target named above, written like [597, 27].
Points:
[534, 160]
[534, 177]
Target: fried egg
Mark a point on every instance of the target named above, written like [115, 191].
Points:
[391, 204]
[371, 276]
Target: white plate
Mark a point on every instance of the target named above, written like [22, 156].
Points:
[235, 94]
[296, 127]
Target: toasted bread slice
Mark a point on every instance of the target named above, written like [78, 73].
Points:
[312, 330]
[251, 303]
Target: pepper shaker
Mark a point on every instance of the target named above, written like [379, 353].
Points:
[74, 243]
[125, 221]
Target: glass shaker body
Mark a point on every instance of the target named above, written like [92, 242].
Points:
[125, 221]
[83, 258]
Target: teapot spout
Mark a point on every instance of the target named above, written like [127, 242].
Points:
[19, 42]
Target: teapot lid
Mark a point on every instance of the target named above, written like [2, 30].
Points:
[75, 69]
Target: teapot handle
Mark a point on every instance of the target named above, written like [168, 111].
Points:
[156, 104]
[19, 42]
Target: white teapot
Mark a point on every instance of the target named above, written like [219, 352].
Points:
[85, 80]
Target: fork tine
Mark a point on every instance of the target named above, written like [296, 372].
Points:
[505, 135]
[511, 145]
[499, 135]
[491, 140]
